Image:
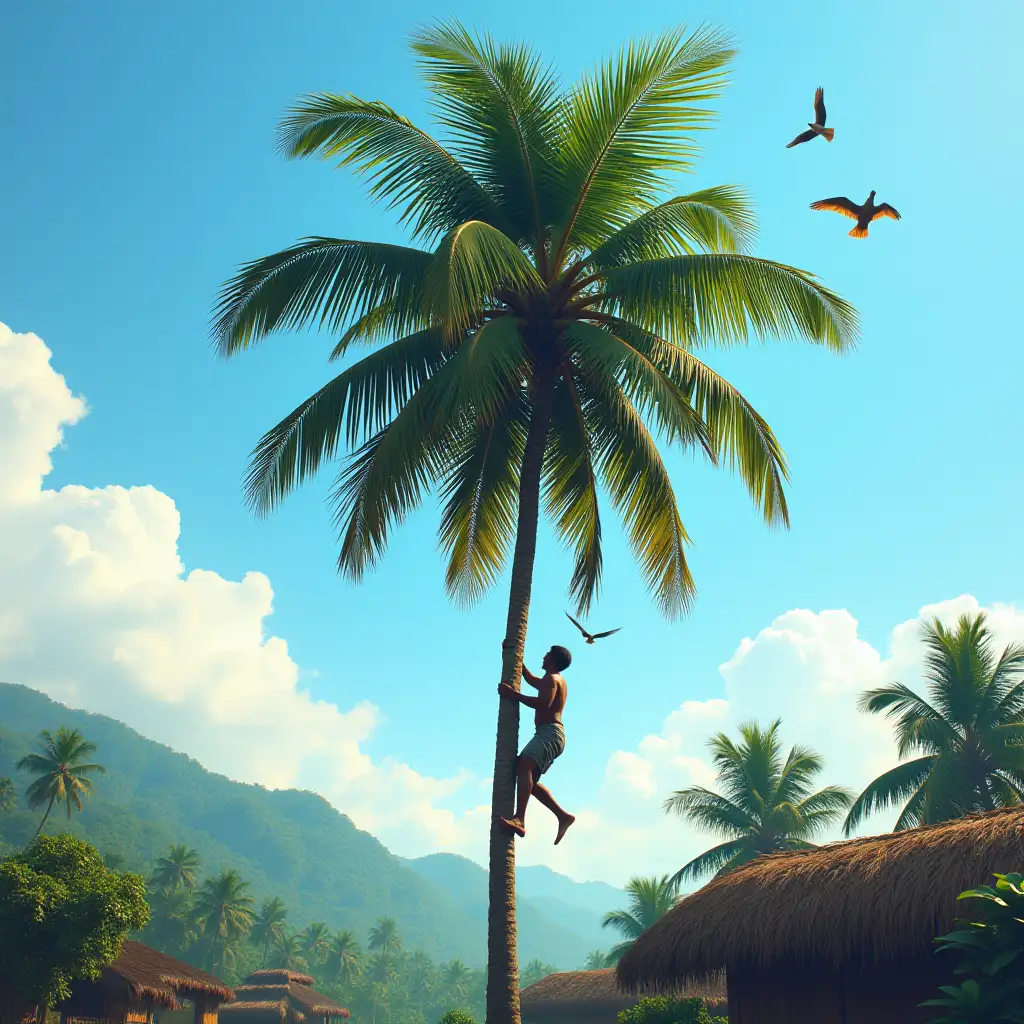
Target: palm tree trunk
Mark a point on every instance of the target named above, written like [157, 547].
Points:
[49, 807]
[502, 969]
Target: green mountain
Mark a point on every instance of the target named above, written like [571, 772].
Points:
[542, 895]
[286, 843]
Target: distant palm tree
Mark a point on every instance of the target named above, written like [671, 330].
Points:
[649, 900]
[177, 870]
[63, 771]
[8, 798]
[420, 976]
[534, 971]
[455, 978]
[288, 953]
[970, 732]
[172, 921]
[315, 941]
[382, 970]
[384, 937]
[767, 804]
[225, 910]
[344, 959]
[596, 960]
[269, 925]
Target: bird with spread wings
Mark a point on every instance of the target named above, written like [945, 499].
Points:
[817, 126]
[590, 637]
[863, 214]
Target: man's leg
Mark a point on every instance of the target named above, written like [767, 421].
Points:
[525, 775]
[565, 819]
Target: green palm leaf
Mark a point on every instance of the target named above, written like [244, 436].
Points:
[891, 787]
[718, 219]
[724, 298]
[405, 166]
[322, 281]
[630, 123]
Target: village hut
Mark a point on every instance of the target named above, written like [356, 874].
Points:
[280, 997]
[141, 983]
[838, 935]
[593, 997]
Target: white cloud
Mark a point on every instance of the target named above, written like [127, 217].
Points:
[807, 669]
[97, 610]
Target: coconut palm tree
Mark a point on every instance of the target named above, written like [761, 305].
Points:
[62, 771]
[969, 731]
[535, 970]
[381, 971]
[649, 900]
[344, 959]
[172, 921]
[268, 926]
[315, 941]
[535, 341]
[288, 953]
[767, 804]
[8, 798]
[455, 978]
[178, 869]
[596, 959]
[420, 977]
[224, 910]
[384, 937]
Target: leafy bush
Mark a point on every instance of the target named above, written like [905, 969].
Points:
[63, 915]
[662, 1010]
[989, 945]
[457, 1017]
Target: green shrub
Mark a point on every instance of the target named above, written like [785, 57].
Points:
[989, 944]
[662, 1010]
[457, 1017]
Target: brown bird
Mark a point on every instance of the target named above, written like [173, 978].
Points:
[863, 215]
[591, 637]
[817, 126]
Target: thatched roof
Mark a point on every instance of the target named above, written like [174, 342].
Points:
[596, 992]
[281, 993]
[877, 900]
[148, 974]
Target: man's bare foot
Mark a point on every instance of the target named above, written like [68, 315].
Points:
[563, 827]
[516, 825]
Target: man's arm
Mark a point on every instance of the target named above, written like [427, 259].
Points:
[545, 693]
[533, 680]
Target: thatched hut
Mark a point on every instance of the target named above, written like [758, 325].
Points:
[593, 997]
[280, 997]
[839, 935]
[141, 982]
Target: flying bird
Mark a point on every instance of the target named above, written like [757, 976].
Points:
[863, 215]
[817, 126]
[591, 637]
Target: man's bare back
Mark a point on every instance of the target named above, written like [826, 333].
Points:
[551, 694]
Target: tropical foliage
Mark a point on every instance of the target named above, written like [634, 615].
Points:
[990, 944]
[767, 803]
[968, 732]
[649, 899]
[62, 771]
[62, 915]
[538, 338]
[666, 1010]
[8, 797]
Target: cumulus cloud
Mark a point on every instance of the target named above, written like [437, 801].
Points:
[806, 668]
[97, 610]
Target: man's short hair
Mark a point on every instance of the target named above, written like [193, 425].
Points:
[560, 657]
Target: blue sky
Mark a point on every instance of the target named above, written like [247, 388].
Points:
[139, 168]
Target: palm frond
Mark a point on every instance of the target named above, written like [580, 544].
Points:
[710, 862]
[641, 492]
[717, 219]
[631, 123]
[481, 494]
[472, 264]
[358, 402]
[570, 488]
[711, 811]
[405, 166]
[725, 298]
[501, 104]
[891, 787]
[320, 282]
